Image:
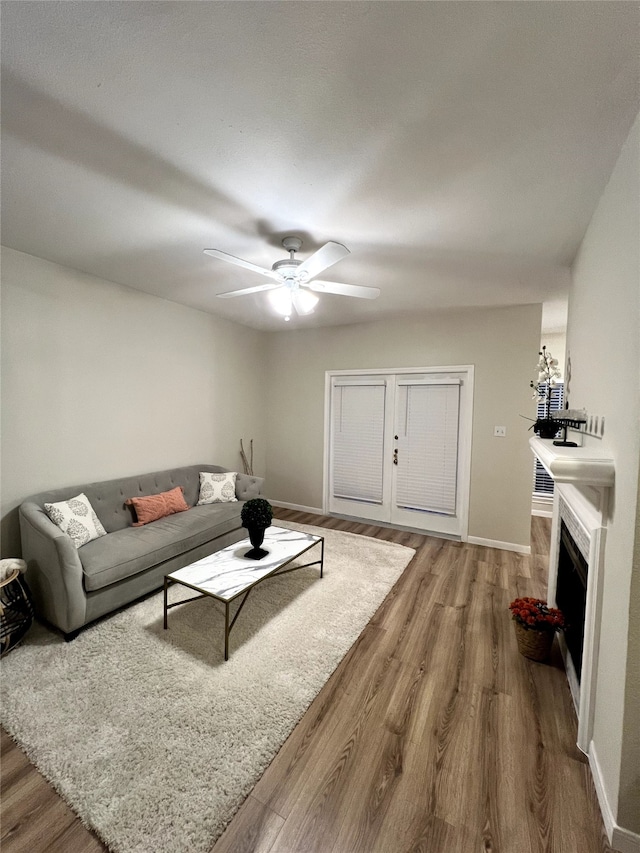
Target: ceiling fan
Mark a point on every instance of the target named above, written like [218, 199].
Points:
[292, 279]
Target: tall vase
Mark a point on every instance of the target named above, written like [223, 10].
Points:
[256, 537]
[546, 428]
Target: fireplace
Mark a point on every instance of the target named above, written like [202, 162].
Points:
[571, 595]
[575, 586]
[583, 477]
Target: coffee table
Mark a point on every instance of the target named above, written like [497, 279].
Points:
[228, 574]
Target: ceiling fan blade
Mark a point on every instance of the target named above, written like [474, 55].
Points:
[245, 290]
[224, 256]
[325, 257]
[344, 289]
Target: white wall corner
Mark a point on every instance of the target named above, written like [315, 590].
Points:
[621, 839]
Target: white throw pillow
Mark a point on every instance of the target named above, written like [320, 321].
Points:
[217, 488]
[77, 518]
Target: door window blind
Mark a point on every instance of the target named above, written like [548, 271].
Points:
[428, 447]
[358, 441]
[542, 482]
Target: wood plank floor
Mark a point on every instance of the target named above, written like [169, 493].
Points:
[432, 736]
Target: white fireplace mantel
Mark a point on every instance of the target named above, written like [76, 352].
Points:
[584, 476]
[580, 466]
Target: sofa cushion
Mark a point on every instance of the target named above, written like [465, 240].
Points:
[217, 488]
[77, 518]
[124, 553]
[153, 507]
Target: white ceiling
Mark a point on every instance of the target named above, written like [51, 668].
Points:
[457, 149]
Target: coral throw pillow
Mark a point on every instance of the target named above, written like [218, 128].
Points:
[153, 507]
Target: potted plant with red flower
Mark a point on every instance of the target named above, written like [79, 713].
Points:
[535, 624]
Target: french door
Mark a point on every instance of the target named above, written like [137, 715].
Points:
[398, 448]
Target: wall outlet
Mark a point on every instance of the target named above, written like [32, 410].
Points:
[500, 431]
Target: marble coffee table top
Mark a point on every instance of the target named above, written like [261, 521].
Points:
[227, 573]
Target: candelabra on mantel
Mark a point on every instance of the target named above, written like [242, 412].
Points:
[568, 419]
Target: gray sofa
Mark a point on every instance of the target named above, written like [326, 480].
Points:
[72, 587]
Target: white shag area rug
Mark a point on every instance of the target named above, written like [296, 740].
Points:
[149, 735]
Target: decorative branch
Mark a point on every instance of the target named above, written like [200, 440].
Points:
[247, 464]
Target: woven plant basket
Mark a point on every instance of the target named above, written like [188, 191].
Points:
[535, 645]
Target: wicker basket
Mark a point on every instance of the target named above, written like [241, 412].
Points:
[535, 645]
[16, 611]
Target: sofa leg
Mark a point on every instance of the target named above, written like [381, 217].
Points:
[71, 636]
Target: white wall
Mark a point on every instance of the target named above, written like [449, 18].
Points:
[503, 345]
[603, 342]
[99, 381]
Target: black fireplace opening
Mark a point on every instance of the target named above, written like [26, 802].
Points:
[571, 595]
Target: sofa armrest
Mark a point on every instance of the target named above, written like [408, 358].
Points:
[54, 570]
[248, 486]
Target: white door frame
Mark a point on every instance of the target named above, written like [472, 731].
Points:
[465, 372]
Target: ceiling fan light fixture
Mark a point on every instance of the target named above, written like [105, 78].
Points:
[281, 301]
[285, 299]
[290, 274]
[304, 301]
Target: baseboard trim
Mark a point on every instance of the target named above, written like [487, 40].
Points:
[297, 507]
[503, 546]
[625, 841]
[605, 808]
[621, 839]
[542, 513]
